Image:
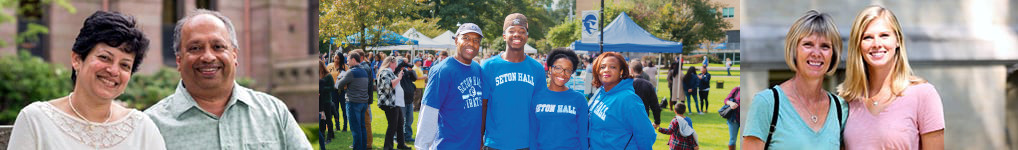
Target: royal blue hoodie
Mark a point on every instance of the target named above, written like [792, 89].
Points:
[619, 118]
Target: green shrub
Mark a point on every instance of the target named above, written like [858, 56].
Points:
[25, 79]
[146, 90]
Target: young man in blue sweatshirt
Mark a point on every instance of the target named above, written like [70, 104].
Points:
[451, 107]
[513, 78]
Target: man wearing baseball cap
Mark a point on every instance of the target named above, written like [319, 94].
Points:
[512, 78]
[451, 107]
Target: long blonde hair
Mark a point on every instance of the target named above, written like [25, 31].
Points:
[385, 65]
[856, 83]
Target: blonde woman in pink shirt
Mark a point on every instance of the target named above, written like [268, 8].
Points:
[889, 107]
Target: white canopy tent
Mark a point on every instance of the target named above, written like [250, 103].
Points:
[529, 49]
[423, 43]
[445, 38]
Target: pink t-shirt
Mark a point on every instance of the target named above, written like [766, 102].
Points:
[919, 110]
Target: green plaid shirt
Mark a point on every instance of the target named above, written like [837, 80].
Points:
[251, 120]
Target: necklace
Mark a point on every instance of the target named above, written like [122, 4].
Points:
[812, 115]
[70, 103]
[875, 101]
[810, 108]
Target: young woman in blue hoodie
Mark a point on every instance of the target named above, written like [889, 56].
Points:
[617, 116]
[560, 113]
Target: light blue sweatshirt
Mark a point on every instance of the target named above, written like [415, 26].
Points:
[619, 119]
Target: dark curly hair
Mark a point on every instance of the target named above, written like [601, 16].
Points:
[557, 53]
[113, 29]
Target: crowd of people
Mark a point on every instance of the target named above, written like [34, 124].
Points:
[347, 81]
[508, 100]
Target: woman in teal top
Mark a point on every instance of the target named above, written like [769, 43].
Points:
[807, 116]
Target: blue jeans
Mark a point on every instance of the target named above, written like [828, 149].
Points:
[733, 131]
[409, 116]
[691, 97]
[341, 105]
[321, 132]
[356, 111]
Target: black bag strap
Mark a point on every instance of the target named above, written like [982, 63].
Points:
[774, 118]
[837, 103]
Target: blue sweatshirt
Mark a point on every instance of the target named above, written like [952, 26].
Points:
[619, 118]
[512, 88]
[691, 83]
[561, 120]
[450, 114]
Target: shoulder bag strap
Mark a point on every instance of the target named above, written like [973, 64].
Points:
[837, 103]
[774, 118]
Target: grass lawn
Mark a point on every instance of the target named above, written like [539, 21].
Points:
[710, 128]
[662, 72]
[343, 140]
[713, 65]
[714, 74]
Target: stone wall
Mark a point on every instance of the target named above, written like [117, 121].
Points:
[5, 135]
[296, 83]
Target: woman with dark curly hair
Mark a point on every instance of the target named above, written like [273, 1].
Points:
[107, 51]
[560, 113]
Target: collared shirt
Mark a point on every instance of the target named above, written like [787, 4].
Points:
[251, 120]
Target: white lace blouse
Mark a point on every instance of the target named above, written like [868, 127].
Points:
[41, 125]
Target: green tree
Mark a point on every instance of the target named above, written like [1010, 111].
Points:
[426, 26]
[32, 11]
[563, 9]
[691, 22]
[564, 34]
[490, 14]
[341, 18]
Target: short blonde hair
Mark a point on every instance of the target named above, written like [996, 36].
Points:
[813, 22]
[856, 83]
